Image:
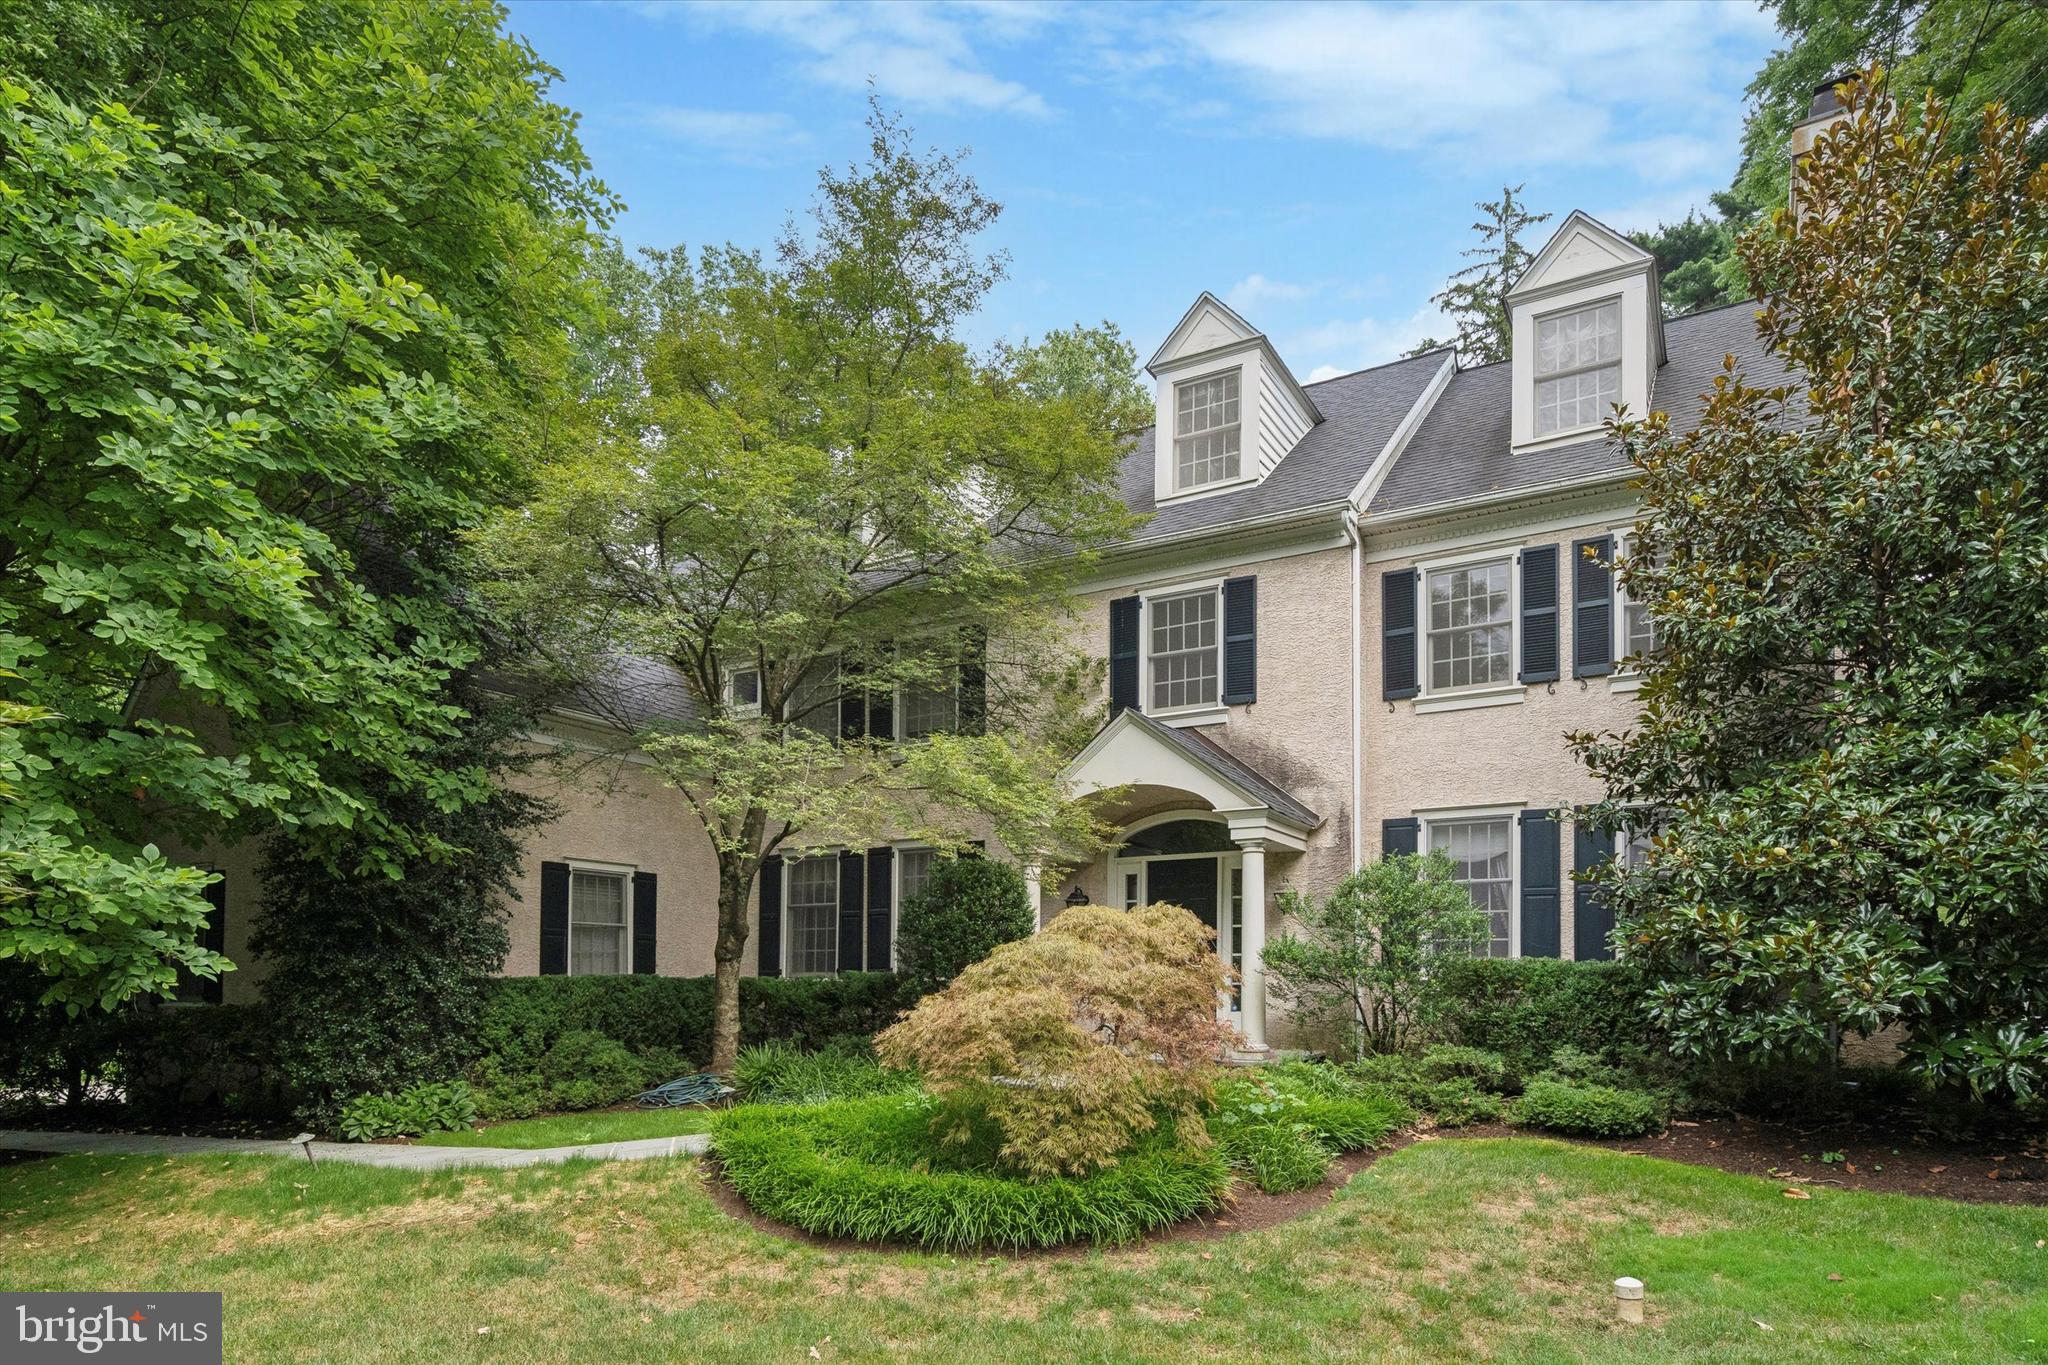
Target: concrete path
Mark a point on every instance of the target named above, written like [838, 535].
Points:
[355, 1153]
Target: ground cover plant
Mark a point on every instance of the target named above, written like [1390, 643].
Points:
[1281, 1126]
[1513, 1243]
[430, 1107]
[781, 1073]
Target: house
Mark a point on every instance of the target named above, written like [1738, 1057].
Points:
[1360, 617]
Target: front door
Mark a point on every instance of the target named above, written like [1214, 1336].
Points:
[1189, 883]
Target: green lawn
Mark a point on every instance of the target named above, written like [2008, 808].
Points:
[573, 1130]
[1448, 1250]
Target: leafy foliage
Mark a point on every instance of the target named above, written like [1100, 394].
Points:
[1281, 1125]
[1373, 947]
[279, 285]
[782, 1073]
[965, 910]
[874, 1170]
[1590, 1110]
[1845, 728]
[796, 465]
[1074, 1041]
[435, 1107]
[1524, 1009]
[1475, 297]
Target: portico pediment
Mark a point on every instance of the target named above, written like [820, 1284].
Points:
[1135, 750]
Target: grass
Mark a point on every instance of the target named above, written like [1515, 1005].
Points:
[1447, 1250]
[574, 1130]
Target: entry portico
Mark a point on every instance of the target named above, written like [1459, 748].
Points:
[1200, 824]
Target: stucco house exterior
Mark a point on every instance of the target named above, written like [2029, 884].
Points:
[1361, 616]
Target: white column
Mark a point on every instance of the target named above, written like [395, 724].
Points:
[1252, 990]
[1033, 880]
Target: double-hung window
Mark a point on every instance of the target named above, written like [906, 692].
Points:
[913, 870]
[1635, 628]
[1578, 367]
[743, 688]
[1183, 650]
[811, 916]
[1481, 850]
[1471, 625]
[597, 922]
[1207, 432]
[815, 706]
[928, 708]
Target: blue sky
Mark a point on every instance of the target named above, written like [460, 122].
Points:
[1313, 165]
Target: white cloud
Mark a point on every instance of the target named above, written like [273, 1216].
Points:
[733, 134]
[915, 54]
[1345, 344]
[1255, 289]
[1649, 212]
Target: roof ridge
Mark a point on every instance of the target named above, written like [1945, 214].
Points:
[1383, 365]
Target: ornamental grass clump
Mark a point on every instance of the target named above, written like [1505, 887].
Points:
[1075, 1042]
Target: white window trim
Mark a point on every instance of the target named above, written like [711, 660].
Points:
[1513, 815]
[899, 692]
[1473, 695]
[1623, 679]
[833, 710]
[1244, 429]
[1205, 713]
[1536, 379]
[732, 704]
[789, 939]
[623, 871]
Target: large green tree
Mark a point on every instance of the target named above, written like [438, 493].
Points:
[279, 284]
[1844, 731]
[799, 489]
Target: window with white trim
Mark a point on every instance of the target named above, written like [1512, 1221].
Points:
[1578, 367]
[1207, 433]
[743, 690]
[1481, 851]
[597, 922]
[913, 870]
[815, 706]
[811, 916]
[1183, 650]
[1635, 628]
[928, 708]
[1471, 625]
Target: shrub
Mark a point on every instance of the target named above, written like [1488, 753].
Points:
[1444, 1089]
[965, 910]
[1277, 1157]
[1281, 1125]
[1525, 1008]
[586, 1070]
[1074, 1041]
[443, 1107]
[781, 1073]
[1370, 949]
[1590, 1110]
[874, 1170]
[211, 1062]
[1450, 1062]
[1459, 1102]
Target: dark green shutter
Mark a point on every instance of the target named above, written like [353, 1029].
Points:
[1123, 655]
[643, 924]
[881, 890]
[1541, 874]
[1592, 921]
[554, 919]
[1400, 674]
[853, 906]
[1593, 607]
[974, 681]
[1539, 614]
[1399, 837]
[768, 948]
[1240, 641]
[214, 937]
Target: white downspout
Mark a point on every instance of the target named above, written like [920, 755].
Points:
[1357, 698]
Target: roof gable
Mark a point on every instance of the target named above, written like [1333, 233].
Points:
[1209, 325]
[1581, 247]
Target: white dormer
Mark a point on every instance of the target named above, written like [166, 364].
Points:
[1588, 333]
[1227, 409]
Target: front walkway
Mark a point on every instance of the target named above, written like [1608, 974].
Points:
[355, 1153]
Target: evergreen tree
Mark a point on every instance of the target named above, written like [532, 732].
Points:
[1475, 298]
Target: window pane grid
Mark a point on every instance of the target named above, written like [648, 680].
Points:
[1478, 850]
[1184, 651]
[1206, 431]
[811, 916]
[1578, 370]
[930, 710]
[1470, 630]
[597, 923]
[913, 870]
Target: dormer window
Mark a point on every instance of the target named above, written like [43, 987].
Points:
[1578, 367]
[1207, 432]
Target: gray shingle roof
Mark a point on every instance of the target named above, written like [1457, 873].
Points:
[1462, 449]
[1231, 769]
[1360, 412]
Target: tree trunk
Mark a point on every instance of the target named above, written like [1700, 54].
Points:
[735, 881]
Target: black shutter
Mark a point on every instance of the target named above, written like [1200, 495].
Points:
[1539, 614]
[1592, 607]
[1123, 655]
[853, 904]
[768, 950]
[1399, 673]
[853, 702]
[1240, 640]
[1540, 874]
[643, 924]
[1592, 921]
[1399, 837]
[974, 681]
[881, 887]
[214, 937]
[554, 919]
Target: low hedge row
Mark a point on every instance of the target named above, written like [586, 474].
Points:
[1526, 1008]
[870, 1169]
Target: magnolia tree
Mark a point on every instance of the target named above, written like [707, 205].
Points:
[1844, 730]
[848, 534]
[1073, 1041]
